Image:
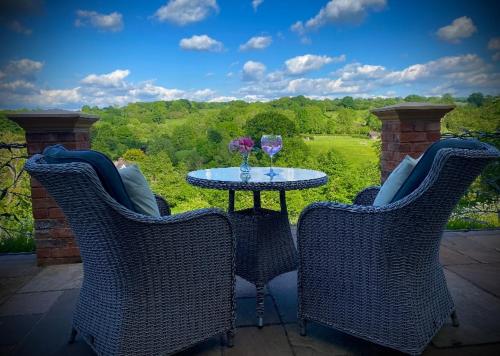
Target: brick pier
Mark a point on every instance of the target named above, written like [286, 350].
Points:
[408, 129]
[55, 243]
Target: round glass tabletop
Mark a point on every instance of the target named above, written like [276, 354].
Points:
[231, 178]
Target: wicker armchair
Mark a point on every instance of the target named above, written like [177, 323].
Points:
[151, 285]
[374, 272]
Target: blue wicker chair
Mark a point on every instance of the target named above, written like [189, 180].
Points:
[374, 272]
[151, 285]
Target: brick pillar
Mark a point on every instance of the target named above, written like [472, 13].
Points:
[408, 129]
[55, 243]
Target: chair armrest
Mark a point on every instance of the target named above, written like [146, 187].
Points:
[177, 267]
[347, 249]
[183, 258]
[366, 196]
[162, 206]
[331, 232]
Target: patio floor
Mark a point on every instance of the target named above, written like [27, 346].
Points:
[36, 306]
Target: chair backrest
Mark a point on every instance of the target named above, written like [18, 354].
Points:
[104, 229]
[424, 164]
[104, 168]
[452, 172]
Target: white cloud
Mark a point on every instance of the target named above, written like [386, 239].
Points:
[253, 71]
[22, 68]
[496, 57]
[339, 11]
[202, 94]
[112, 22]
[17, 86]
[222, 99]
[95, 89]
[149, 91]
[51, 97]
[113, 79]
[18, 27]
[354, 71]
[460, 28]
[466, 72]
[184, 12]
[257, 42]
[459, 74]
[494, 44]
[201, 43]
[320, 86]
[256, 4]
[309, 62]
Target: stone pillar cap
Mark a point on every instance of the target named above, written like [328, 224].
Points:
[413, 110]
[53, 120]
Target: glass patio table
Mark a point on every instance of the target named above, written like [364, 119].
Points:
[265, 247]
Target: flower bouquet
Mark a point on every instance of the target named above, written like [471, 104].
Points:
[242, 145]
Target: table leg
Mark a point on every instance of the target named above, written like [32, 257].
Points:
[231, 201]
[265, 247]
[284, 210]
[256, 200]
[260, 304]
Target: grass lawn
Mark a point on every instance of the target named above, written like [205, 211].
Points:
[354, 149]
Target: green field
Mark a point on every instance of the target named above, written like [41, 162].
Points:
[355, 150]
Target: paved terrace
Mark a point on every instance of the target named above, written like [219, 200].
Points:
[36, 306]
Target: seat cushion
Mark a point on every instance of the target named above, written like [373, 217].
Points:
[138, 190]
[105, 169]
[424, 165]
[395, 180]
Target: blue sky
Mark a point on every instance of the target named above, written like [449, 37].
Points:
[70, 53]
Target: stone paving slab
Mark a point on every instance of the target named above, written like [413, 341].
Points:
[212, 347]
[246, 314]
[14, 328]
[50, 335]
[321, 340]
[268, 341]
[17, 265]
[470, 268]
[60, 277]
[10, 285]
[478, 313]
[459, 242]
[477, 350]
[448, 256]
[490, 239]
[485, 276]
[29, 303]
[284, 291]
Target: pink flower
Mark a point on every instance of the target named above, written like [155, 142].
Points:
[243, 145]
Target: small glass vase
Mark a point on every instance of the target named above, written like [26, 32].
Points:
[245, 167]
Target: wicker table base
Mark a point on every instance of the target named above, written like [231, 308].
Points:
[265, 246]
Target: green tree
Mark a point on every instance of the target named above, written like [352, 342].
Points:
[447, 98]
[415, 98]
[348, 102]
[476, 99]
[270, 122]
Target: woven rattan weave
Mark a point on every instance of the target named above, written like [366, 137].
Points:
[265, 247]
[151, 285]
[374, 272]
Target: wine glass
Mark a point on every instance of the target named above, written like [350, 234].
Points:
[271, 144]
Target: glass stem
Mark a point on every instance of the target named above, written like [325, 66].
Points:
[271, 168]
